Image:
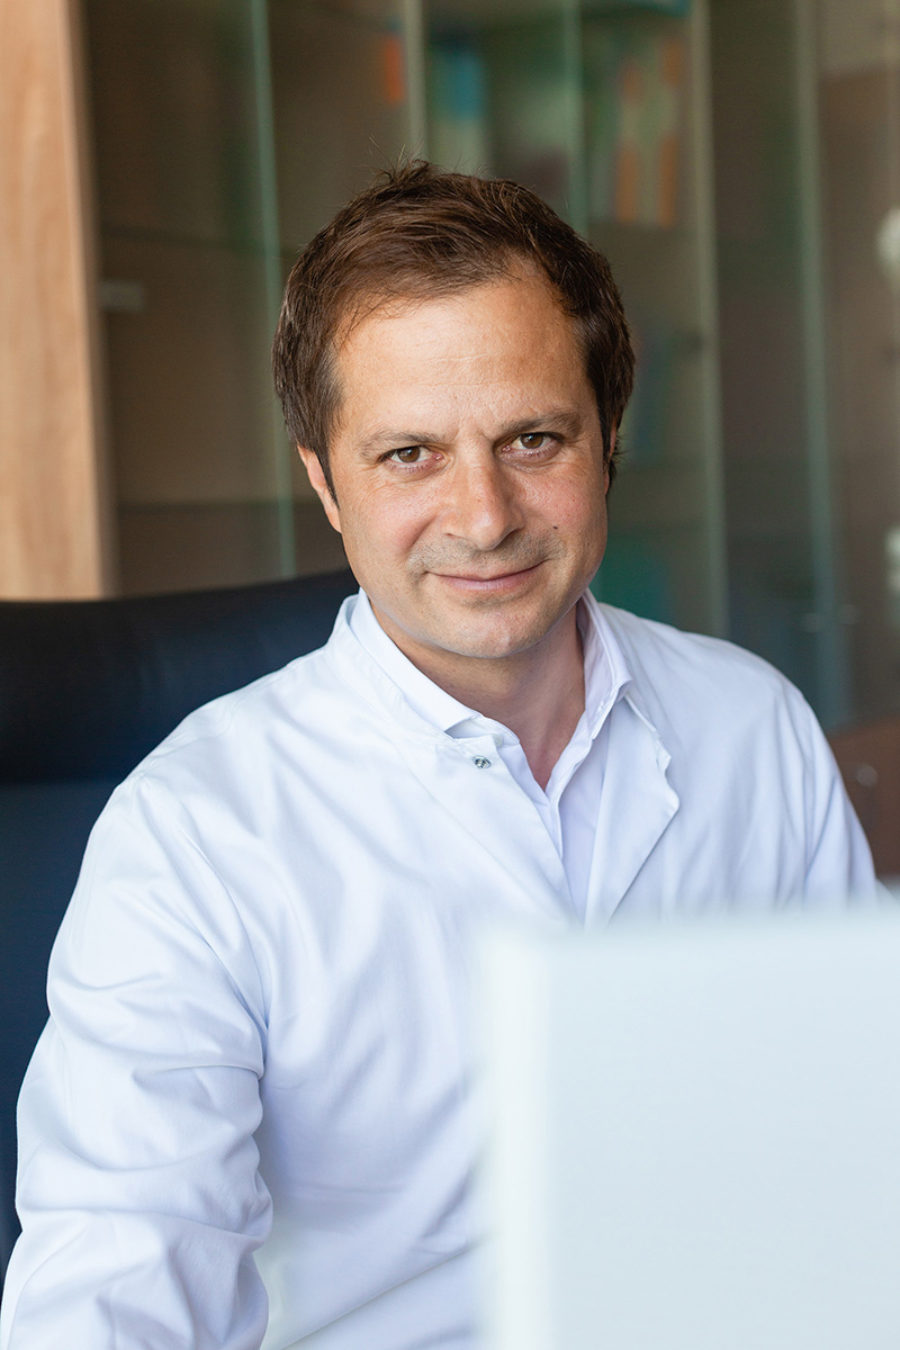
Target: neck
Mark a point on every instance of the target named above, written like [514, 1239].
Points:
[538, 694]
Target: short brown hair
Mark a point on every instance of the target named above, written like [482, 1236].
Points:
[418, 233]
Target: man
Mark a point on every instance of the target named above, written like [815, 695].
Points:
[247, 1122]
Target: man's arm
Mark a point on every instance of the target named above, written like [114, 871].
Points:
[139, 1194]
[838, 860]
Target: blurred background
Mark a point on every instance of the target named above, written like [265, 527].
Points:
[737, 160]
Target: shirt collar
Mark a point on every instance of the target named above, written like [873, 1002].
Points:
[605, 673]
[428, 699]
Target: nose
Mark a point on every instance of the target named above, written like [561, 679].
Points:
[482, 507]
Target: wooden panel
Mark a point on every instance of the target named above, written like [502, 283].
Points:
[51, 492]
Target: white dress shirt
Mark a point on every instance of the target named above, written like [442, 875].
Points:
[568, 806]
[247, 1122]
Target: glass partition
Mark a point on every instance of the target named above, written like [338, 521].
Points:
[858, 66]
[186, 292]
[650, 210]
[738, 161]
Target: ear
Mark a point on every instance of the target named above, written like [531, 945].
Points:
[320, 486]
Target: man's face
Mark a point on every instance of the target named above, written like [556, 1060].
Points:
[470, 487]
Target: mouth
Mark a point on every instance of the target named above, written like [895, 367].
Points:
[500, 583]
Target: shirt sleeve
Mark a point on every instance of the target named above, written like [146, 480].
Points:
[838, 859]
[139, 1192]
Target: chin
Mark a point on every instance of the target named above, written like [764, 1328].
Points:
[496, 645]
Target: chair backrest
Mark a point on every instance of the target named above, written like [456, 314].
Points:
[87, 688]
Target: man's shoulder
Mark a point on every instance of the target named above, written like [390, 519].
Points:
[678, 674]
[250, 710]
[229, 737]
[648, 640]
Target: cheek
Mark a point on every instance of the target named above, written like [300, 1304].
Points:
[379, 529]
[579, 509]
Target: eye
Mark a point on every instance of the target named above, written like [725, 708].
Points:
[407, 454]
[534, 440]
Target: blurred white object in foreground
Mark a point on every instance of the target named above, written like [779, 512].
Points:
[696, 1136]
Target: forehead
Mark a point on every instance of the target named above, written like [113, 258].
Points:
[499, 337]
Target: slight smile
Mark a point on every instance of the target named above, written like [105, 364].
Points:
[499, 584]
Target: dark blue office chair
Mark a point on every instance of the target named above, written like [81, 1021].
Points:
[87, 688]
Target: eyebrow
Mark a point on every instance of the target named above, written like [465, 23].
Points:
[394, 440]
[563, 420]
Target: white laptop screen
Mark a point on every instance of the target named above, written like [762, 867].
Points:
[696, 1137]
